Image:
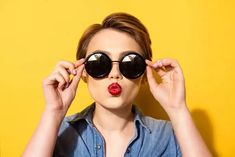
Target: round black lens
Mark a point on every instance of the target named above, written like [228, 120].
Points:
[132, 65]
[98, 65]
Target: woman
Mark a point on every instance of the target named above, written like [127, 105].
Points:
[114, 59]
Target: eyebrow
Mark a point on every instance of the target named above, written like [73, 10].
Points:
[123, 53]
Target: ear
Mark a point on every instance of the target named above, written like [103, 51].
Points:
[84, 76]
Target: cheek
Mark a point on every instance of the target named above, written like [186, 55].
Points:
[96, 88]
[131, 90]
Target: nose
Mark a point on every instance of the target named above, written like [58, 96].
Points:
[115, 71]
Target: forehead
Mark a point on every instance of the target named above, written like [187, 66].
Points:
[114, 42]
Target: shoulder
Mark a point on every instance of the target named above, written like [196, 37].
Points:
[161, 136]
[161, 130]
[156, 125]
[70, 123]
[150, 123]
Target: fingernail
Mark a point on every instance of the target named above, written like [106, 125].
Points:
[74, 72]
[82, 60]
[67, 85]
[155, 65]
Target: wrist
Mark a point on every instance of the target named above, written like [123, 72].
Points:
[59, 111]
[179, 112]
[185, 129]
[55, 117]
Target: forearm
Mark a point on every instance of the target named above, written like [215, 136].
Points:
[189, 138]
[43, 140]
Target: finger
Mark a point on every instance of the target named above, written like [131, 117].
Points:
[153, 65]
[67, 65]
[157, 66]
[173, 64]
[79, 62]
[169, 61]
[63, 72]
[148, 62]
[56, 79]
[77, 77]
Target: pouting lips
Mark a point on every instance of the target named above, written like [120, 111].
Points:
[114, 89]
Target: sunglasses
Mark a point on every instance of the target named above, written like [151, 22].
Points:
[98, 65]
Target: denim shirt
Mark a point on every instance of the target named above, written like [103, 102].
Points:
[78, 137]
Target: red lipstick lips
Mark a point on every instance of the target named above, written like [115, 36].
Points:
[114, 89]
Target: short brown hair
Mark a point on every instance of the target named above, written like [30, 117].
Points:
[121, 22]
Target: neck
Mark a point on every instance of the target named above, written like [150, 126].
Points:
[112, 119]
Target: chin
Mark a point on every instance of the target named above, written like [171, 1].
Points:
[113, 103]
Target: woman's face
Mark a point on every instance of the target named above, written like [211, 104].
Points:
[114, 44]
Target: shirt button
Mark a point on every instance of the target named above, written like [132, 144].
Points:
[98, 146]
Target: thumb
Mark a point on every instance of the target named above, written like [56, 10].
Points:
[76, 78]
[151, 80]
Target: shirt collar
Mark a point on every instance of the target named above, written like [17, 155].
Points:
[139, 117]
[87, 115]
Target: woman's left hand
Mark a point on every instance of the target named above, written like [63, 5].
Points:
[170, 92]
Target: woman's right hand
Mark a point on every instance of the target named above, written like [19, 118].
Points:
[59, 90]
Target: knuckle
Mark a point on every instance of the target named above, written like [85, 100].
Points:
[66, 78]
[71, 66]
[60, 80]
[65, 65]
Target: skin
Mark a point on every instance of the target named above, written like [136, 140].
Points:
[114, 44]
[110, 108]
[59, 93]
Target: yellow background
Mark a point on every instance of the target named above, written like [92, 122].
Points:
[35, 35]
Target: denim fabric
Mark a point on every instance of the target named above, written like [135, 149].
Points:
[78, 137]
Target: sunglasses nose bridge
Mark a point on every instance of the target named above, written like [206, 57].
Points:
[115, 70]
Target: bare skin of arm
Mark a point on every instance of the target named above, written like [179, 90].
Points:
[59, 92]
[170, 93]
